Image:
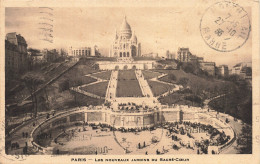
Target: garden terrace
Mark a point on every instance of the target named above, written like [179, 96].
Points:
[126, 75]
[127, 85]
[197, 83]
[150, 74]
[87, 80]
[180, 99]
[97, 89]
[159, 88]
[103, 75]
[77, 81]
[84, 100]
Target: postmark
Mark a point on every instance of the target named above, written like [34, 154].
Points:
[225, 26]
[46, 24]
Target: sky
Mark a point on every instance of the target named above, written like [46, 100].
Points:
[157, 29]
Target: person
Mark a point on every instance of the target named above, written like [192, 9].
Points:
[25, 150]
[146, 153]
[144, 144]
[139, 145]
[23, 134]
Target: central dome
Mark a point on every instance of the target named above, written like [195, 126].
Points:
[125, 29]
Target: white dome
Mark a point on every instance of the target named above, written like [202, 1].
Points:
[125, 29]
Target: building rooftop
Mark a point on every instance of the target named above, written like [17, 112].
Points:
[15, 38]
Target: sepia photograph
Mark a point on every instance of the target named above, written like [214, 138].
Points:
[96, 81]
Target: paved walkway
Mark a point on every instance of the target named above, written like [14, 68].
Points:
[111, 89]
[17, 136]
[236, 125]
[97, 78]
[146, 90]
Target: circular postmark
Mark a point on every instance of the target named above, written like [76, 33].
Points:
[225, 26]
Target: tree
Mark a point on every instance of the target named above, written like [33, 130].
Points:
[32, 81]
[245, 140]
[64, 85]
[96, 67]
[172, 77]
[183, 81]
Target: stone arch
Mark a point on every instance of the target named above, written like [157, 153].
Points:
[120, 54]
[124, 54]
[134, 67]
[117, 67]
[127, 54]
[125, 67]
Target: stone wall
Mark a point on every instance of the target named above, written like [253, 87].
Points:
[105, 65]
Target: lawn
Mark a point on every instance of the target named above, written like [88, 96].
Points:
[128, 88]
[126, 75]
[195, 82]
[150, 75]
[87, 79]
[177, 98]
[103, 75]
[127, 85]
[83, 100]
[159, 88]
[97, 89]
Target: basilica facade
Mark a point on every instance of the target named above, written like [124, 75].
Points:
[125, 44]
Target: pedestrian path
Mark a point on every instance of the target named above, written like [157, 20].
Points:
[97, 78]
[146, 90]
[19, 136]
[112, 85]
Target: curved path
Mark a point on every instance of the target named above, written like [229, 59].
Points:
[236, 125]
[17, 135]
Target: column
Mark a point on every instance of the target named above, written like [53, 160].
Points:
[86, 116]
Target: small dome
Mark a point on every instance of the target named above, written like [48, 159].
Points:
[134, 38]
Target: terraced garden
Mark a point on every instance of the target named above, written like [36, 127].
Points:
[127, 85]
[159, 88]
[97, 89]
[88, 80]
[150, 74]
[103, 75]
